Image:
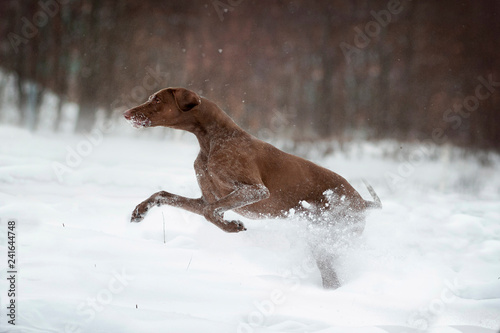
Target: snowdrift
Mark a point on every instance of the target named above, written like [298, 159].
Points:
[429, 261]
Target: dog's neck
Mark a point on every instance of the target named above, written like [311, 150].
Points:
[213, 126]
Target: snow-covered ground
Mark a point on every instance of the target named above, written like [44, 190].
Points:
[428, 262]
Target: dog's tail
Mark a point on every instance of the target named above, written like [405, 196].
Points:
[376, 203]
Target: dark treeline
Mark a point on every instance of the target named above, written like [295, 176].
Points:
[420, 69]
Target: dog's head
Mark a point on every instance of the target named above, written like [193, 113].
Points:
[168, 107]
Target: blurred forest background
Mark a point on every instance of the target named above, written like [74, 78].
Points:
[305, 70]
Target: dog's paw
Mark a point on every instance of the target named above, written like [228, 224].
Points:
[139, 213]
[234, 226]
[136, 218]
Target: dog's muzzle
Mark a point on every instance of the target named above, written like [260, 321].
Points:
[136, 120]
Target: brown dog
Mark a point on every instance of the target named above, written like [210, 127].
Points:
[239, 172]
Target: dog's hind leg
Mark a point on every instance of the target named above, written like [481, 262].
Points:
[328, 275]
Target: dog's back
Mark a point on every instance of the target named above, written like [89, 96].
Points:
[293, 182]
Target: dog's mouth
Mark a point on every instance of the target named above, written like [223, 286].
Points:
[138, 121]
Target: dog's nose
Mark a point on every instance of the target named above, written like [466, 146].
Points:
[128, 114]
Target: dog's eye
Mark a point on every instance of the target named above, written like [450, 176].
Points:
[156, 99]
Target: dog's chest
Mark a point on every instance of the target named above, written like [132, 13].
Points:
[211, 186]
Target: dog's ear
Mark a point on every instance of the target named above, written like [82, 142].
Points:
[185, 99]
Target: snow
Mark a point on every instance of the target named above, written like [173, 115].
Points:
[428, 261]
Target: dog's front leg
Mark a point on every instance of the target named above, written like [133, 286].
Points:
[197, 206]
[243, 195]
[165, 198]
